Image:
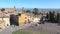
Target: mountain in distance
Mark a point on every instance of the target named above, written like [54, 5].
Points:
[56, 10]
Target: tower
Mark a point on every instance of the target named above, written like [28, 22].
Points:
[14, 8]
[23, 10]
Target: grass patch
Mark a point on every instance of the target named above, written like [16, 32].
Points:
[21, 32]
[28, 32]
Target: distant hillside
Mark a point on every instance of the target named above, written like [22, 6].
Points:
[57, 10]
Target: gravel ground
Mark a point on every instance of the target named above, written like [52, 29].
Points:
[12, 28]
[50, 28]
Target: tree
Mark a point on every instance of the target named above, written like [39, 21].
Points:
[57, 17]
[28, 11]
[47, 16]
[51, 16]
[35, 11]
[3, 9]
[54, 18]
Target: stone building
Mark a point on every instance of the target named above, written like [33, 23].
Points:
[9, 10]
[4, 21]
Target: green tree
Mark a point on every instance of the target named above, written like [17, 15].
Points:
[47, 16]
[35, 11]
[28, 11]
[51, 16]
[58, 16]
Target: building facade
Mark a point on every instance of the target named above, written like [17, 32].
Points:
[4, 21]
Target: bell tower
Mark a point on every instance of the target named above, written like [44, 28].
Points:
[14, 8]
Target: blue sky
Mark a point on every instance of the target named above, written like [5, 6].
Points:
[30, 3]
